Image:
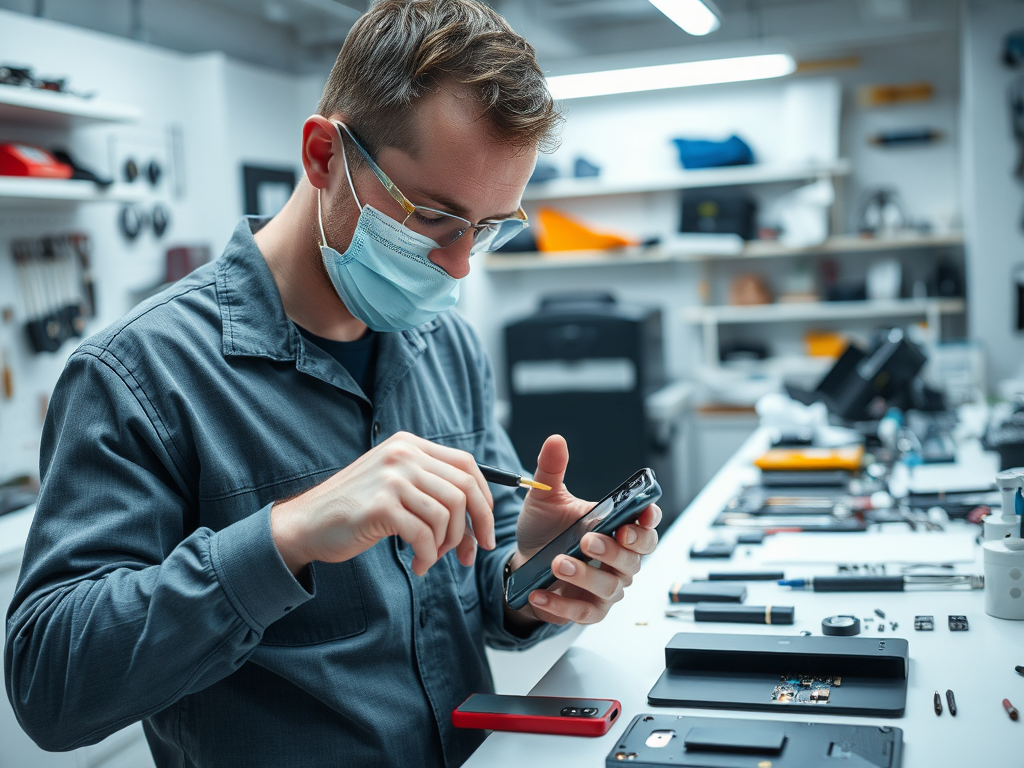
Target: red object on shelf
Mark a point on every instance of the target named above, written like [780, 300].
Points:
[27, 160]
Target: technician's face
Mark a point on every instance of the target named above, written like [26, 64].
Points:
[457, 167]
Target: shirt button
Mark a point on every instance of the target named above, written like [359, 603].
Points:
[376, 429]
[423, 617]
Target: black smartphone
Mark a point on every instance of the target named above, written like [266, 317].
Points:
[621, 506]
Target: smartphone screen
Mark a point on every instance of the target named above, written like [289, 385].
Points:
[621, 506]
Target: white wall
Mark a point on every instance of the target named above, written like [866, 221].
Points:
[927, 176]
[228, 113]
[994, 199]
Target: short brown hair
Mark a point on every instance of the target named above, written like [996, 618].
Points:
[401, 49]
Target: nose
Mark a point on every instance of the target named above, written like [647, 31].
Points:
[455, 258]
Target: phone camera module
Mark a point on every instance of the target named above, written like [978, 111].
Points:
[579, 712]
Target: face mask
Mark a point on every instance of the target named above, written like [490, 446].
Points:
[385, 278]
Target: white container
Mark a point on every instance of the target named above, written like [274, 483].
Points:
[1004, 579]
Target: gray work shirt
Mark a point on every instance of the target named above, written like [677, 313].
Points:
[151, 587]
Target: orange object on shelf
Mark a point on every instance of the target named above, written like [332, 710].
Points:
[825, 343]
[26, 160]
[796, 459]
[562, 232]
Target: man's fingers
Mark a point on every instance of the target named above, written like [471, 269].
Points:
[460, 469]
[551, 464]
[479, 506]
[454, 503]
[650, 517]
[637, 538]
[429, 509]
[558, 609]
[608, 551]
[418, 535]
[466, 550]
[606, 585]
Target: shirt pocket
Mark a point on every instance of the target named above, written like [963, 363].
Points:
[465, 582]
[463, 441]
[335, 613]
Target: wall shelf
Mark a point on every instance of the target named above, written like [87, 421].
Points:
[731, 176]
[710, 318]
[59, 110]
[19, 192]
[823, 311]
[621, 257]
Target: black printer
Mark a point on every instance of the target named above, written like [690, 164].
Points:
[581, 366]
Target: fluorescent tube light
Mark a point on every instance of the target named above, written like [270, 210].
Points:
[692, 15]
[687, 73]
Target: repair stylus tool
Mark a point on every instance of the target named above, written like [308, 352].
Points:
[844, 626]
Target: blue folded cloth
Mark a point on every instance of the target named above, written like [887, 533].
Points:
[701, 153]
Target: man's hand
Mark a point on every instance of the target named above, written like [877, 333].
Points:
[407, 487]
[583, 593]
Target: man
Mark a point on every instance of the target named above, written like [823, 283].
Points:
[252, 530]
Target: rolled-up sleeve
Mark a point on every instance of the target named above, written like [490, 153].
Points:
[120, 610]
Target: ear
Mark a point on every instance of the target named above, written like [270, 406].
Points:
[318, 139]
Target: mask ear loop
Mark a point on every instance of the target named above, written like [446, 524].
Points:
[351, 186]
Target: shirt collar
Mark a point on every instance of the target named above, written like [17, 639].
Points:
[253, 319]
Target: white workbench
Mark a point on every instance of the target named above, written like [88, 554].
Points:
[622, 657]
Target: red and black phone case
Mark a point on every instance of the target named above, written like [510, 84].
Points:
[537, 714]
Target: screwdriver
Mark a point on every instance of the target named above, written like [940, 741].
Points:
[511, 479]
[887, 583]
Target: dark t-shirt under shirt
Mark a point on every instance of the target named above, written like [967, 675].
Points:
[357, 357]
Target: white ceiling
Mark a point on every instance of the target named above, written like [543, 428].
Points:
[304, 35]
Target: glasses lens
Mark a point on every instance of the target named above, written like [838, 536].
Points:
[497, 234]
[443, 228]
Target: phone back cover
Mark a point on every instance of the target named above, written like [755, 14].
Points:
[804, 745]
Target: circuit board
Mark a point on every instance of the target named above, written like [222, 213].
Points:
[804, 689]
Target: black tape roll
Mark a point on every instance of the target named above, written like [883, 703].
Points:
[840, 625]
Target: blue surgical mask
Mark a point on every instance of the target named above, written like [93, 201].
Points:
[386, 278]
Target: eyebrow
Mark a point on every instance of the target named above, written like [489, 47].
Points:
[452, 207]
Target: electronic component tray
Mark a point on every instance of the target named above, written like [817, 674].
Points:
[821, 675]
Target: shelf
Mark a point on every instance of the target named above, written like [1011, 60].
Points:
[823, 311]
[730, 176]
[618, 257]
[59, 110]
[757, 249]
[18, 191]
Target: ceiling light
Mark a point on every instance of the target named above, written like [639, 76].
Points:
[692, 15]
[680, 75]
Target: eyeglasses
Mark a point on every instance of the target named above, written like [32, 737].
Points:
[442, 227]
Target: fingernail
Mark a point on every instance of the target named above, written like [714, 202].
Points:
[540, 599]
[629, 535]
[596, 545]
[567, 568]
